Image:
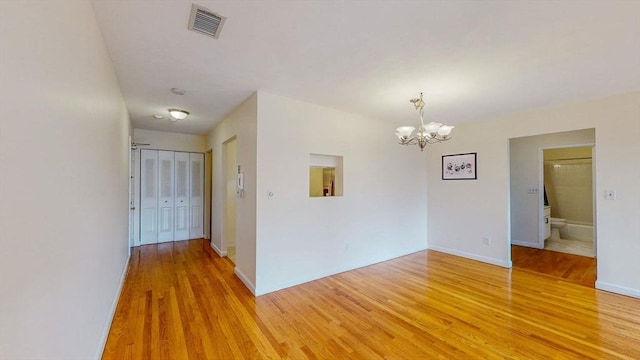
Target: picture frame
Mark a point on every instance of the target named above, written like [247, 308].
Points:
[459, 167]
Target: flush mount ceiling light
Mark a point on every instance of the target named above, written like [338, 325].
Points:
[178, 91]
[431, 133]
[178, 114]
[158, 116]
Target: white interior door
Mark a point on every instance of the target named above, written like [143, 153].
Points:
[132, 207]
[148, 197]
[182, 196]
[136, 197]
[171, 196]
[196, 228]
[165, 196]
[594, 199]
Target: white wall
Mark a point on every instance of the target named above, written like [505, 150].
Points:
[380, 216]
[63, 182]
[170, 141]
[241, 123]
[461, 212]
[524, 172]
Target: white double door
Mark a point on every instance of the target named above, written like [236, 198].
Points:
[171, 196]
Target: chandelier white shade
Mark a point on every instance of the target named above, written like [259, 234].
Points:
[431, 133]
[405, 131]
[178, 114]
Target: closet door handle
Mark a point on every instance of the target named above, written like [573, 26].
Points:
[546, 220]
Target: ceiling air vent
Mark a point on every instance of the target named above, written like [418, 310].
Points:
[205, 21]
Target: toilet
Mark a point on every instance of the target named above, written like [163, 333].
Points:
[556, 225]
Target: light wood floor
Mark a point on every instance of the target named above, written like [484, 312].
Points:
[182, 301]
[572, 268]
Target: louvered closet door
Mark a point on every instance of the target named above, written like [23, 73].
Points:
[148, 197]
[196, 229]
[165, 196]
[182, 196]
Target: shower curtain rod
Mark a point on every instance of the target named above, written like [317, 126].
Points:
[582, 158]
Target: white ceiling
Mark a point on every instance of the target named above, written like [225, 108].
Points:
[472, 59]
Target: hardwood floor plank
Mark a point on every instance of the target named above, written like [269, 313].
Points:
[182, 301]
[573, 268]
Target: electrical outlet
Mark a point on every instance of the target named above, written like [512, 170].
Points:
[486, 240]
[346, 247]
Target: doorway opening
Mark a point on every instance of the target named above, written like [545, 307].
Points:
[567, 180]
[550, 171]
[208, 188]
[230, 166]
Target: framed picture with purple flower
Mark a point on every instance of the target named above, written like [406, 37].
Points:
[459, 167]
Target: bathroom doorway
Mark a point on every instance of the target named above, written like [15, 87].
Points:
[568, 193]
[530, 225]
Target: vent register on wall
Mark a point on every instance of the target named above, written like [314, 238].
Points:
[171, 196]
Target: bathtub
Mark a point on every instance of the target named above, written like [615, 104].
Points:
[575, 231]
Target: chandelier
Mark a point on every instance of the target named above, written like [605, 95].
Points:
[431, 133]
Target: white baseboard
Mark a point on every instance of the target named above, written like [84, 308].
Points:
[526, 244]
[114, 305]
[218, 251]
[484, 259]
[245, 280]
[600, 285]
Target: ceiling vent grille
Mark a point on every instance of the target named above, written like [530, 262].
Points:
[205, 22]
